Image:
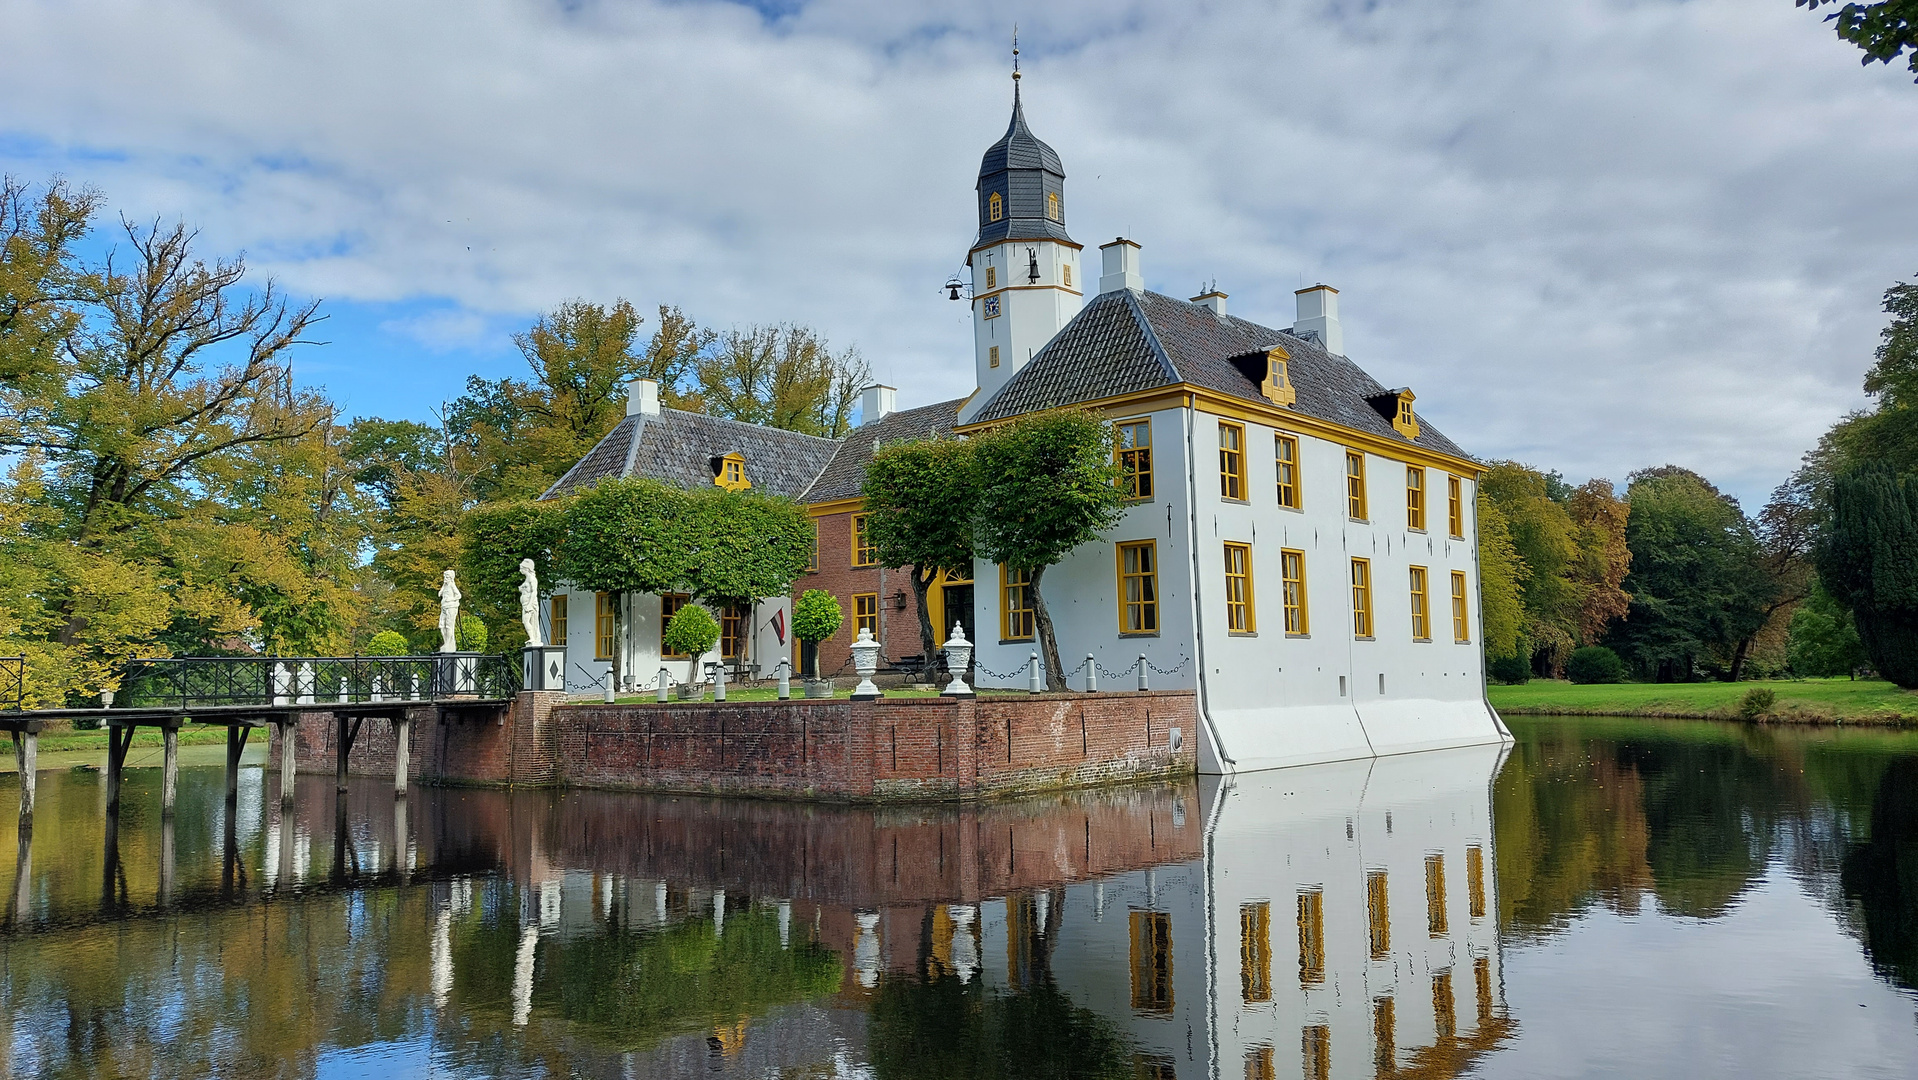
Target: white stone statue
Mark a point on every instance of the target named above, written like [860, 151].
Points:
[449, 613]
[529, 603]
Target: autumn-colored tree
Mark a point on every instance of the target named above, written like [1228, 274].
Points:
[1603, 557]
[1501, 576]
[784, 377]
[43, 282]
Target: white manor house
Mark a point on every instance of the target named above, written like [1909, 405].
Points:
[1300, 546]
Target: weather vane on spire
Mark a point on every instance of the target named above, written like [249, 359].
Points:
[1015, 52]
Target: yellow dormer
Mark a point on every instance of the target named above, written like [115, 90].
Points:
[731, 473]
[1277, 386]
[1404, 421]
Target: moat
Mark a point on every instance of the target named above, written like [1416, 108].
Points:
[1605, 897]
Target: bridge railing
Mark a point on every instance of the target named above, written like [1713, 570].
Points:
[275, 681]
[13, 681]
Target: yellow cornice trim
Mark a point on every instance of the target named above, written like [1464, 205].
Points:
[835, 506]
[1201, 399]
[1034, 240]
[1024, 288]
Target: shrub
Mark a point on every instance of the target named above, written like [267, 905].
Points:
[1511, 670]
[388, 643]
[470, 635]
[1757, 702]
[692, 631]
[1595, 664]
[816, 616]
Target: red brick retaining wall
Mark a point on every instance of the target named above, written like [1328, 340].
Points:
[899, 748]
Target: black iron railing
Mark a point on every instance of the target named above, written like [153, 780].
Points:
[275, 681]
[13, 681]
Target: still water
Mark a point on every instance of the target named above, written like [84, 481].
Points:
[1628, 898]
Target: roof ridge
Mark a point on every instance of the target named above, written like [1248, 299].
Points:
[748, 424]
[1166, 366]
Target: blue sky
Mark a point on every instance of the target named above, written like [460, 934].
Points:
[1595, 235]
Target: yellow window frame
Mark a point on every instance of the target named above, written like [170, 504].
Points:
[669, 605]
[1255, 952]
[1132, 447]
[1015, 604]
[1311, 936]
[1054, 212]
[995, 207]
[1355, 485]
[863, 552]
[992, 277]
[1231, 460]
[1292, 572]
[1240, 615]
[1285, 458]
[1421, 604]
[557, 606]
[1415, 498]
[1461, 615]
[603, 624]
[1362, 598]
[732, 631]
[865, 614]
[1455, 507]
[1138, 563]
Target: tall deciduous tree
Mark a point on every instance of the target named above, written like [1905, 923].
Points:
[493, 540]
[1501, 576]
[782, 376]
[626, 535]
[43, 283]
[1867, 554]
[918, 499]
[1047, 483]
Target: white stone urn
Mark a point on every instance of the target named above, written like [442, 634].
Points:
[958, 655]
[865, 660]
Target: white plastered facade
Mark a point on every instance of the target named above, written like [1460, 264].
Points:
[640, 627]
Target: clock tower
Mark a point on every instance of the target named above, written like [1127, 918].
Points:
[1026, 277]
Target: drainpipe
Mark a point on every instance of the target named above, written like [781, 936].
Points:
[1198, 611]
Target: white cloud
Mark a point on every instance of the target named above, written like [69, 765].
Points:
[1597, 235]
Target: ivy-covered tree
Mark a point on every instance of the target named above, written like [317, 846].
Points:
[919, 497]
[626, 535]
[1867, 555]
[742, 546]
[1047, 483]
[493, 540]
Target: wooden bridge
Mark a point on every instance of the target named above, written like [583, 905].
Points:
[243, 693]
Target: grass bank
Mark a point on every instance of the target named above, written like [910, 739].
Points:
[1802, 701]
[61, 737]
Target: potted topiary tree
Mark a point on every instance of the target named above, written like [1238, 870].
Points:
[816, 617]
[694, 632]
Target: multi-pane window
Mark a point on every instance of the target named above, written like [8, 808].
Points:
[1015, 604]
[669, 605]
[1066, 272]
[603, 626]
[1361, 598]
[992, 356]
[1052, 206]
[995, 207]
[1292, 571]
[1239, 617]
[1421, 606]
[1311, 937]
[992, 277]
[558, 636]
[1436, 923]
[1461, 626]
[1475, 880]
[733, 619]
[1255, 952]
[1414, 497]
[1231, 460]
[1378, 917]
[1139, 587]
[1285, 453]
[865, 614]
[1132, 441]
[1455, 507]
[863, 552]
[1152, 961]
[1355, 484]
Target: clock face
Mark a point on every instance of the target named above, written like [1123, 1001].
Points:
[992, 307]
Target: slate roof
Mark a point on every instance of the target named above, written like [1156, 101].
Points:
[1024, 171]
[679, 448]
[843, 478]
[1122, 342]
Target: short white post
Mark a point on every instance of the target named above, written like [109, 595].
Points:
[1032, 673]
[719, 681]
[1142, 671]
[1092, 674]
[785, 679]
[665, 685]
[377, 695]
[342, 690]
[612, 686]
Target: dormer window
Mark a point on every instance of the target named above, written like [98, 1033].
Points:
[1278, 388]
[995, 207]
[1053, 211]
[1396, 406]
[729, 472]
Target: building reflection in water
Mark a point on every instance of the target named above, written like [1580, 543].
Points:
[1318, 922]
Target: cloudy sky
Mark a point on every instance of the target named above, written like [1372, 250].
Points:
[1594, 235]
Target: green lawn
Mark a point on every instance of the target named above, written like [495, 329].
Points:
[63, 738]
[1814, 700]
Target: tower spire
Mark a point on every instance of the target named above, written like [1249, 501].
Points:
[1015, 59]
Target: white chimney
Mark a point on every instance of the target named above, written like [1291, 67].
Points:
[1319, 313]
[1120, 267]
[1213, 299]
[876, 401]
[642, 397]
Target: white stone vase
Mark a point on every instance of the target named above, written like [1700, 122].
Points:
[958, 655]
[865, 660]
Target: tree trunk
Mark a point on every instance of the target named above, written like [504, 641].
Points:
[1048, 644]
[1738, 659]
[921, 588]
[619, 642]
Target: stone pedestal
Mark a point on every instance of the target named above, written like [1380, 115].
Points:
[543, 667]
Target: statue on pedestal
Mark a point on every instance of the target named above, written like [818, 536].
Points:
[449, 613]
[529, 603]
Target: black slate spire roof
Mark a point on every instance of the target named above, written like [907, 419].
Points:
[1022, 171]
